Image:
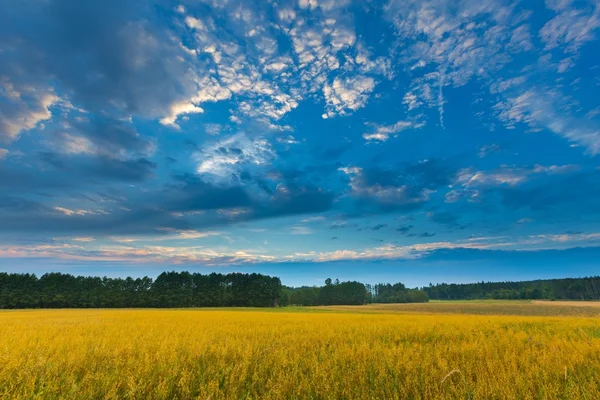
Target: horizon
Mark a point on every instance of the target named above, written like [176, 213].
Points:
[378, 272]
[384, 142]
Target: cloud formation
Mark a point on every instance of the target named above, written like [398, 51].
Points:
[199, 132]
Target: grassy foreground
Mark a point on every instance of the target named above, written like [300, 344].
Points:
[237, 354]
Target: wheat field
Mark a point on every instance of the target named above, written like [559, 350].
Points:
[295, 354]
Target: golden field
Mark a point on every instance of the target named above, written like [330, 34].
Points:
[297, 354]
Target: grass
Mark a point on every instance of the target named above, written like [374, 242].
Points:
[297, 353]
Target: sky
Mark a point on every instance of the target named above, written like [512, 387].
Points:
[415, 141]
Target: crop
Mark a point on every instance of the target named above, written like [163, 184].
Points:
[251, 354]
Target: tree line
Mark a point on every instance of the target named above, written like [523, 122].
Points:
[333, 293]
[184, 289]
[351, 293]
[550, 289]
[169, 289]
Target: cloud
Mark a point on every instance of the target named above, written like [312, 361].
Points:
[471, 184]
[346, 95]
[383, 132]
[111, 59]
[3, 153]
[387, 194]
[404, 229]
[572, 26]
[182, 234]
[84, 239]
[489, 149]
[314, 219]
[454, 42]
[378, 227]
[177, 109]
[543, 109]
[568, 195]
[501, 246]
[227, 159]
[300, 230]
[23, 108]
[68, 212]
[403, 187]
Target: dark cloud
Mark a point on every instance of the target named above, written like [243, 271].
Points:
[105, 58]
[191, 193]
[378, 227]
[403, 187]
[404, 229]
[446, 218]
[187, 203]
[421, 235]
[17, 179]
[84, 170]
[426, 234]
[296, 201]
[99, 53]
[111, 137]
[430, 174]
[128, 170]
[574, 194]
[16, 205]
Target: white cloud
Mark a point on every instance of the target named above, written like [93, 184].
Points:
[178, 109]
[383, 132]
[224, 159]
[78, 212]
[572, 26]
[468, 181]
[184, 234]
[127, 251]
[503, 176]
[555, 169]
[3, 153]
[488, 149]
[23, 108]
[72, 144]
[455, 42]
[520, 39]
[213, 129]
[314, 219]
[300, 230]
[289, 139]
[544, 110]
[346, 95]
[84, 239]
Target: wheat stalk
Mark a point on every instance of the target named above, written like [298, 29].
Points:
[454, 371]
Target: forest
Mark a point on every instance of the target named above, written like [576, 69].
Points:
[185, 289]
[550, 289]
[169, 289]
[351, 293]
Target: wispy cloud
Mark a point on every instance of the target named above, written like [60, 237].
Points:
[383, 132]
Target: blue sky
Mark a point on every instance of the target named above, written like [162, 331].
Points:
[421, 141]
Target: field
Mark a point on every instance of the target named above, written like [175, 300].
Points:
[485, 307]
[454, 350]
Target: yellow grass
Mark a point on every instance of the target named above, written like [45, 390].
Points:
[237, 354]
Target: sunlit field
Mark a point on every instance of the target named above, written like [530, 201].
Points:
[372, 352]
[484, 307]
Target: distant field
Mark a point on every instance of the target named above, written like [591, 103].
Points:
[484, 307]
[425, 351]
